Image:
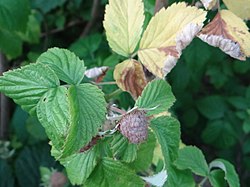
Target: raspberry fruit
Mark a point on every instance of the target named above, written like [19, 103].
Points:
[134, 126]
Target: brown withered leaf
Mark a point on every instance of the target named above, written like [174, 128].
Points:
[229, 33]
[97, 73]
[130, 77]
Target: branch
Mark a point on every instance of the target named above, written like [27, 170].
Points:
[94, 14]
[4, 104]
[159, 4]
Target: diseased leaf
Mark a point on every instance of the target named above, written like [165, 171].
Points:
[209, 4]
[53, 114]
[28, 84]
[96, 72]
[68, 67]
[158, 179]
[87, 114]
[110, 172]
[167, 130]
[130, 77]
[167, 34]
[123, 23]
[229, 33]
[157, 97]
[240, 8]
[230, 174]
[192, 158]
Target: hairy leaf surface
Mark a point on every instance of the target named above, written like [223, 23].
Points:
[157, 97]
[27, 85]
[68, 67]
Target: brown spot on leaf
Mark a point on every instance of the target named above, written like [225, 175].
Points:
[130, 77]
[171, 50]
[217, 27]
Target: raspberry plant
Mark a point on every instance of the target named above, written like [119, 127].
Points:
[102, 145]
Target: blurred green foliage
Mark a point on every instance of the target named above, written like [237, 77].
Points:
[212, 90]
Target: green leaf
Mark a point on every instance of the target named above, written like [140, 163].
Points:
[180, 178]
[216, 178]
[32, 34]
[14, 14]
[35, 128]
[246, 126]
[219, 133]
[68, 67]
[157, 94]
[79, 166]
[46, 5]
[230, 174]
[87, 45]
[144, 154]
[87, 114]
[28, 162]
[11, 44]
[7, 178]
[212, 107]
[53, 114]
[192, 158]
[123, 23]
[122, 149]
[167, 130]
[113, 173]
[28, 84]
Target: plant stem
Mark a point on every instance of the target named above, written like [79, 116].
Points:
[159, 4]
[203, 182]
[104, 83]
[113, 94]
[94, 14]
[4, 104]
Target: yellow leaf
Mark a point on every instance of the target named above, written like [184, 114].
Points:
[240, 8]
[167, 34]
[123, 23]
[130, 77]
[209, 4]
[229, 33]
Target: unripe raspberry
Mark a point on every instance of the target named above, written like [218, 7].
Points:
[134, 126]
[58, 179]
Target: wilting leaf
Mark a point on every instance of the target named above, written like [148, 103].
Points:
[123, 24]
[229, 33]
[230, 174]
[209, 4]
[130, 77]
[240, 8]
[167, 34]
[96, 72]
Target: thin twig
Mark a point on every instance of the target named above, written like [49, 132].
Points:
[117, 110]
[159, 4]
[69, 25]
[94, 14]
[4, 104]
[113, 94]
[104, 83]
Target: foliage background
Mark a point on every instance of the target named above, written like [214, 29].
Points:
[212, 89]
